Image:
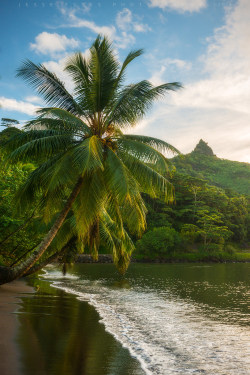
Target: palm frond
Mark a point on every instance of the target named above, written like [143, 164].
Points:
[69, 122]
[89, 203]
[143, 152]
[104, 68]
[78, 68]
[150, 181]
[44, 146]
[48, 85]
[88, 155]
[134, 100]
[117, 177]
[156, 143]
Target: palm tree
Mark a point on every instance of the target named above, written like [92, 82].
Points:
[84, 155]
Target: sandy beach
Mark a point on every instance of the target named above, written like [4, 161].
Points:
[9, 299]
[52, 332]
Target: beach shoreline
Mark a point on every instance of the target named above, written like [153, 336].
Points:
[41, 326]
[10, 295]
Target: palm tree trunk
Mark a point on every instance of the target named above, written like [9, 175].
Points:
[8, 274]
[52, 258]
[39, 266]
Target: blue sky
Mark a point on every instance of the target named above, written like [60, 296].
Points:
[204, 44]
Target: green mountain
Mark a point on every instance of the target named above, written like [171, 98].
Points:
[227, 174]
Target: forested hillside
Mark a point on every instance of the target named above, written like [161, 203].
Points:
[205, 221]
[227, 174]
[211, 213]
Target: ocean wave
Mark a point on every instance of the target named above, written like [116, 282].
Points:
[166, 334]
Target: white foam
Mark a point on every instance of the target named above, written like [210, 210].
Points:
[166, 334]
[57, 275]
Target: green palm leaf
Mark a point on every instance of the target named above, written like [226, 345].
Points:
[48, 85]
[89, 175]
[156, 143]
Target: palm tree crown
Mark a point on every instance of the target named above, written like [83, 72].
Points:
[79, 143]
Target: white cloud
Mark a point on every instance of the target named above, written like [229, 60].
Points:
[18, 106]
[180, 64]
[51, 44]
[215, 108]
[121, 37]
[124, 19]
[104, 30]
[163, 65]
[228, 51]
[185, 128]
[58, 66]
[83, 8]
[125, 22]
[141, 28]
[86, 7]
[227, 64]
[179, 5]
[33, 99]
[226, 93]
[77, 22]
[124, 40]
[157, 77]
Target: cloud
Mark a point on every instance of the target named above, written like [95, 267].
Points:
[18, 106]
[215, 108]
[124, 19]
[179, 5]
[124, 40]
[185, 128]
[33, 99]
[77, 22]
[57, 67]
[83, 8]
[122, 37]
[157, 77]
[86, 7]
[228, 50]
[163, 66]
[227, 65]
[180, 64]
[125, 22]
[51, 44]
[104, 30]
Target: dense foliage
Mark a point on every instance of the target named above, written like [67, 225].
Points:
[89, 172]
[227, 174]
[205, 217]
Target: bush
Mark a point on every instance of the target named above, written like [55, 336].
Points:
[211, 247]
[159, 242]
[230, 249]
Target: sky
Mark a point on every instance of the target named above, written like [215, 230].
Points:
[204, 44]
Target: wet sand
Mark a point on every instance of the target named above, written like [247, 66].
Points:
[9, 302]
[51, 332]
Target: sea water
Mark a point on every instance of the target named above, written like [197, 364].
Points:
[174, 319]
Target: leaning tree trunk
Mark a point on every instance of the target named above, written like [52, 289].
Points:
[39, 266]
[8, 274]
[52, 258]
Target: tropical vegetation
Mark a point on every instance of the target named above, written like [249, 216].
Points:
[87, 174]
[210, 222]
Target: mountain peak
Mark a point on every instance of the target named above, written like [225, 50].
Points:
[203, 148]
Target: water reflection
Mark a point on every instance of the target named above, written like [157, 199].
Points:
[221, 291]
[175, 318]
[60, 335]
